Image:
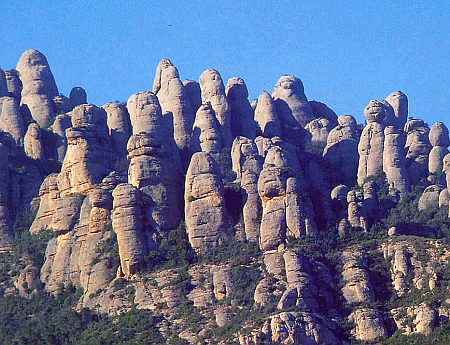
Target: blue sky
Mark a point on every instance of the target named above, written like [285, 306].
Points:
[345, 53]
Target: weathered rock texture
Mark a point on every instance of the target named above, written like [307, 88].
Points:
[33, 142]
[205, 211]
[341, 149]
[88, 158]
[48, 194]
[440, 141]
[118, 121]
[194, 94]
[399, 103]
[159, 177]
[174, 99]
[6, 231]
[266, 116]
[213, 91]
[127, 224]
[418, 146]
[11, 120]
[242, 123]
[39, 86]
[145, 113]
[394, 161]
[62, 122]
[14, 84]
[371, 144]
[293, 108]
[205, 132]
[357, 216]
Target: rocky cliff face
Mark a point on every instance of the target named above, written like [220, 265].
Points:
[235, 222]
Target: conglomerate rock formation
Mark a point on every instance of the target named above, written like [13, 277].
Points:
[189, 197]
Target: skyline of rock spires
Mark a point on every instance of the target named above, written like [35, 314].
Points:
[147, 195]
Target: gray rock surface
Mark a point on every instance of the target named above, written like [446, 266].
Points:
[6, 230]
[77, 96]
[3, 84]
[318, 131]
[48, 194]
[205, 211]
[357, 216]
[242, 122]
[174, 99]
[293, 108]
[322, 111]
[213, 91]
[369, 324]
[61, 104]
[11, 120]
[244, 156]
[39, 86]
[62, 122]
[14, 84]
[266, 116]
[118, 121]
[194, 94]
[418, 149]
[399, 103]
[205, 132]
[429, 197]
[33, 145]
[394, 161]
[145, 113]
[370, 149]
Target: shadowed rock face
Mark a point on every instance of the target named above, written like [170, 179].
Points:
[61, 104]
[39, 86]
[174, 99]
[394, 161]
[205, 132]
[266, 116]
[119, 126]
[48, 194]
[439, 139]
[3, 84]
[375, 112]
[11, 120]
[14, 84]
[154, 172]
[242, 122]
[399, 103]
[77, 96]
[293, 108]
[213, 91]
[205, 211]
[62, 122]
[194, 94]
[88, 158]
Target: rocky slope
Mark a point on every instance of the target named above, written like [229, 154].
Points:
[233, 222]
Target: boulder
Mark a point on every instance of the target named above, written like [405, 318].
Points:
[266, 116]
[145, 113]
[39, 86]
[14, 84]
[11, 120]
[318, 131]
[213, 91]
[369, 324]
[429, 197]
[205, 211]
[375, 112]
[357, 216]
[242, 123]
[438, 135]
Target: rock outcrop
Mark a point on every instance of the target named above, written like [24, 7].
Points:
[14, 84]
[11, 120]
[118, 121]
[39, 86]
[6, 230]
[418, 148]
[174, 99]
[293, 108]
[145, 113]
[33, 145]
[394, 161]
[77, 96]
[266, 116]
[242, 123]
[205, 211]
[48, 194]
[88, 158]
[399, 103]
[213, 91]
[62, 122]
[440, 141]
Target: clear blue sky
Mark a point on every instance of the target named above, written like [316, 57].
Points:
[345, 53]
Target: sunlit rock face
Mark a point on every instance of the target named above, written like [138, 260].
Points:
[439, 139]
[39, 86]
[266, 116]
[213, 91]
[205, 211]
[418, 149]
[399, 103]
